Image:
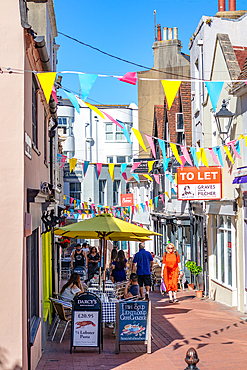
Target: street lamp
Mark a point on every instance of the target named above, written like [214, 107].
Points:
[224, 120]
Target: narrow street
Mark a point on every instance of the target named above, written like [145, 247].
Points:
[216, 331]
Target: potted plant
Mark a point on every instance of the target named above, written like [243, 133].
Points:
[194, 270]
[64, 243]
[189, 265]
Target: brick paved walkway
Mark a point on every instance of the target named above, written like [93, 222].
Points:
[214, 330]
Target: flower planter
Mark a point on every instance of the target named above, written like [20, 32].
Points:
[199, 293]
[191, 286]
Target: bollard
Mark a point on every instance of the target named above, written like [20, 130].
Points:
[191, 359]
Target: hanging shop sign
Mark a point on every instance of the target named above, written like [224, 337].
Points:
[127, 200]
[204, 183]
[86, 329]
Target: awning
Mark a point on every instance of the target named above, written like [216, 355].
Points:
[240, 180]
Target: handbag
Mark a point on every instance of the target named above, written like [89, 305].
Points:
[163, 286]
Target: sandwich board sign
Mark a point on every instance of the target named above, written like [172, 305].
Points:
[86, 328]
[204, 183]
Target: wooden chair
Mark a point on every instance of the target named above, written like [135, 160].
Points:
[60, 316]
[120, 287]
[157, 276]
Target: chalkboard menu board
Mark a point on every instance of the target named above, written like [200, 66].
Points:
[133, 321]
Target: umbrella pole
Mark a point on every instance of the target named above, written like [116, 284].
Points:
[104, 264]
[100, 258]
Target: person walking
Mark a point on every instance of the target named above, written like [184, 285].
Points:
[143, 262]
[80, 257]
[171, 269]
[111, 267]
[92, 261]
[119, 266]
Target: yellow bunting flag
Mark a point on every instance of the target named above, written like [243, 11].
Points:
[166, 193]
[228, 154]
[64, 197]
[139, 138]
[137, 206]
[111, 170]
[72, 164]
[241, 137]
[198, 155]
[150, 165]
[204, 157]
[245, 140]
[74, 203]
[85, 206]
[96, 110]
[170, 89]
[175, 152]
[148, 177]
[46, 81]
[151, 204]
[82, 216]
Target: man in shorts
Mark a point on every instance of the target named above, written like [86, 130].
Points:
[143, 261]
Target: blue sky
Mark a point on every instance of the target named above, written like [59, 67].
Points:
[125, 29]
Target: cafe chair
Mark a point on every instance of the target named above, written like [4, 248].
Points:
[60, 316]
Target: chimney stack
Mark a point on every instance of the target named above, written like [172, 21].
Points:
[222, 5]
[232, 5]
[158, 32]
[169, 33]
[175, 33]
[164, 33]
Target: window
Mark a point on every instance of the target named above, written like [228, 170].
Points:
[34, 113]
[75, 190]
[33, 275]
[119, 135]
[45, 136]
[109, 131]
[102, 192]
[180, 122]
[116, 185]
[62, 125]
[109, 159]
[224, 240]
[121, 159]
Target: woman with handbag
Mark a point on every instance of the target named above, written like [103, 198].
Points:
[171, 269]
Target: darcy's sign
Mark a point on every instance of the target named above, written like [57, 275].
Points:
[204, 183]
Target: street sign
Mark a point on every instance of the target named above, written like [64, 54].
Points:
[86, 328]
[204, 183]
[127, 200]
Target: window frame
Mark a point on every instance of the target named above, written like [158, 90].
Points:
[115, 192]
[102, 192]
[76, 194]
[35, 89]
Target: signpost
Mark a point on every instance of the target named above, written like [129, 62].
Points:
[133, 324]
[204, 183]
[86, 328]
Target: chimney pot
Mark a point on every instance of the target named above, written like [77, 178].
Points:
[175, 33]
[164, 33]
[158, 32]
[169, 33]
[232, 5]
[222, 5]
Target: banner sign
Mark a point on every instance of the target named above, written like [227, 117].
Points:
[203, 183]
[127, 200]
[133, 321]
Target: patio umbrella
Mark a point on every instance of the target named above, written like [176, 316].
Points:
[105, 227]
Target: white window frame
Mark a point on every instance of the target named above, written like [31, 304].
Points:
[179, 129]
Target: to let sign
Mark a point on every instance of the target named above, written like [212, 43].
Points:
[204, 183]
[127, 200]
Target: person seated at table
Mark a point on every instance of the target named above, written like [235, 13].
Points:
[132, 287]
[72, 287]
[119, 266]
[92, 261]
[113, 258]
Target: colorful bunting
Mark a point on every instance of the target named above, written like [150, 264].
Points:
[139, 138]
[86, 83]
[186, 154]
[85, 167]
[238, 148]
[72, 164]
[214, 89]
[136, 177]
[170, 89]
[111, 170]
[173, 191]
[98, 170]
[54, 94]
[157, 178]
[162, 198]
[148, 177]
[228, 154]
[151, 144]
[46, 81]
[217, 151]
[169, 176]
[73, 100]
[112, 119]
[204, 157]
[232, 144]
[156, 201]
[124, 176]
[96, 110]
[166, 193]
[123, 167]
[125, 131]
[214, 156]
[150, 165]
[193, 153]
[135, 166]
[129, 77]
[175, 152]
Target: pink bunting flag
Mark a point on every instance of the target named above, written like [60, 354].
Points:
[54, 94]
[129, 77]
[157, 178]
[99, 166]
[133, 209]
[63, 160]
[124, 176]
[233, 143]
[112, 119]
[79, 211]
[135, 165]
[162, 198]
[151, 144]
[71, 201]
[183, 160]
[186, 154]
[215, 159]
[147, 205]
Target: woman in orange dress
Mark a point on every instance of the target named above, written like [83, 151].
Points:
[171, 268]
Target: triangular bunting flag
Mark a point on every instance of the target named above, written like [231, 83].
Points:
[156, 201]
[148, 177]
[170, 89]
[54, 94]
[162, 145]
[124, 176]
[123, 167]
[85, 167]
[217, 151]
[73, 100]
[46, 80]
[112, 119]
[193, 153]
[214, 89]
[162, 198]
[186, 154]
[136, 177]
[151, 144]
[59, 157]
[98, 169]
[147, 205]
[175, 152]
[157, 178]
[170, 178]
[183, 160]
[111, 170]
[139, 138]
[86, 83]
[232, 143]
[228, 154]
[204, 157]
[125, 131]
[167, 194]
[129, 77]
[135, 165]
[173, 191]
[165, 163]
[238, 148]
[150, 165]
[96, 110]
[245, 138]
[214, 156]
[72, 164]
[151, 204]
[241, 137]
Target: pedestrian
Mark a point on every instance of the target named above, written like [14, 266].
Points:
[171, 270]
[93, 262]
[132, 288]
[119, 266]
[113, 258]
[72, 287]
[80, 257]
[86, 248]
[143, 261]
